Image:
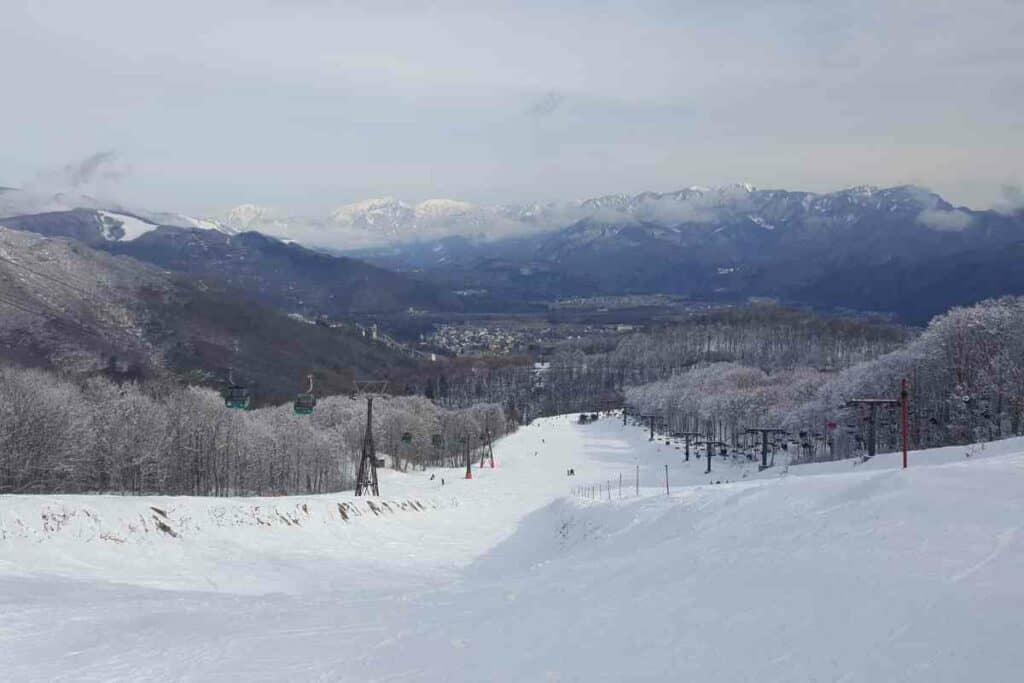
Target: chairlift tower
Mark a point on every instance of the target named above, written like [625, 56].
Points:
[765, 433]
[487, 453]
[710, 447]
[366, 477]
[469, 461]
[902, 403]
[686, 436]
[651, 419]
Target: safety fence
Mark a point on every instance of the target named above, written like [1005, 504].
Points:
[620, 487]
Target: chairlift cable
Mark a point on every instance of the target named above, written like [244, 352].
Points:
[45, 276]
[51, 314]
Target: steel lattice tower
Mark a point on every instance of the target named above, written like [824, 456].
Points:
[366, 477]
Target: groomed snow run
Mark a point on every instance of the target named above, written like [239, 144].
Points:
[828, 572]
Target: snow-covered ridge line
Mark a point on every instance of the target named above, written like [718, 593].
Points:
[144, 519]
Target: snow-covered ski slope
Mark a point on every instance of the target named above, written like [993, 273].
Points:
[864, 573]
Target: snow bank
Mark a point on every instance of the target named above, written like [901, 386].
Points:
[241, 545]
[870, 576]
[145, 519]
[150, 519]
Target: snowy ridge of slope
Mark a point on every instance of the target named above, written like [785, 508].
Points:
[866, 576]
[149, 519]
[290, 544]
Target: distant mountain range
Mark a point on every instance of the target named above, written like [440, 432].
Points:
[389, 222]
[900, 250]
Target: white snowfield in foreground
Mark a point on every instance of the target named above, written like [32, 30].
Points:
[860, 573]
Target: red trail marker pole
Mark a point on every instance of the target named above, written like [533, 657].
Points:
[666, 480]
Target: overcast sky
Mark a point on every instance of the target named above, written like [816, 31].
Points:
[308, 104]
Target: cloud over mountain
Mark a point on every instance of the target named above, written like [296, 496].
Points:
[952, 220]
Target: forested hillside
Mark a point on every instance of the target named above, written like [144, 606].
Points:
[722, 372]
[84, 312]
[594, 372]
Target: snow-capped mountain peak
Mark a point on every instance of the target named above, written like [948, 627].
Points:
[245, 216]
[442, 208]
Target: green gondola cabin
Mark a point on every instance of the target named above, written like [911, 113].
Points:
[237, 397]
[304, 404]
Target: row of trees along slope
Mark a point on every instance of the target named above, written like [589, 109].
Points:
[59, 435]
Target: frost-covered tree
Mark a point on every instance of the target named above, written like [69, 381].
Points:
[96, 436]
